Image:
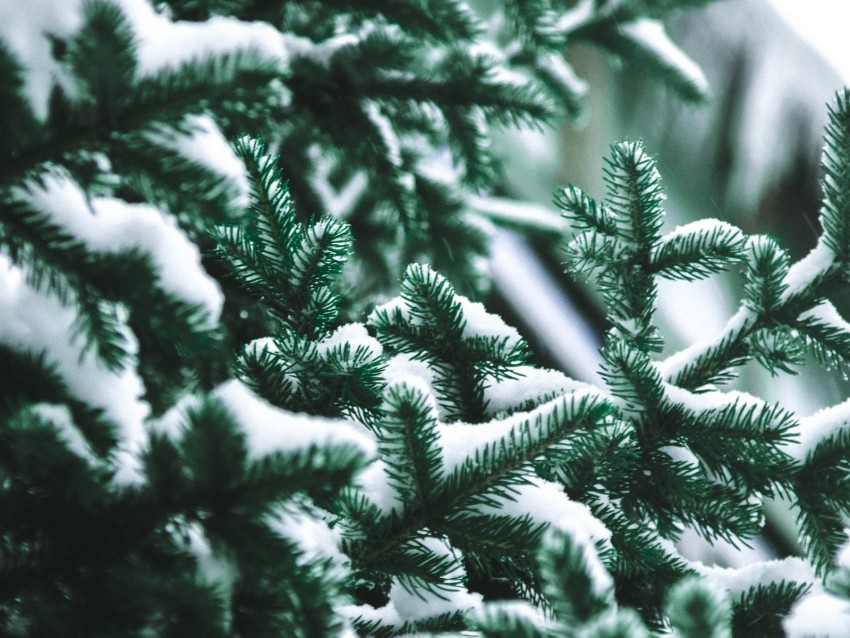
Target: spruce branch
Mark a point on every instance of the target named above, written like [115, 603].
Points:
[482, 479]
[290, 265]
[466, 350]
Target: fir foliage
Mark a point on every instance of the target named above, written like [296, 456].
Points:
[411, 473]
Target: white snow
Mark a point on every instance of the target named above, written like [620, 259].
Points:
[390, 308]
[216, 569]
[738, 581]
[355, 336]
[677, 362]
[207, 146]
[24, 27]
[423, 604]
[33, 321]
[404, 365]
[109, 225]
[172, 425]
[826, 313]
[693, 547]
[438, 164]
[308, 529]
[580, 14]
[519, 609]
[477, 321]
[804, 271]
[337, 202]
[702, 228]
[269, 430]
[521, 214]
[819, 615]
[700, 402]
[405, 606]
[533, 383]
[386, 132]
[818, 427]
[680, 453]
[375, 484]
[546, 502]
[555, 65]
[651, 35]
[480, 323]
[163, 44]
[460, 441]
[323, 52]
[60, 417]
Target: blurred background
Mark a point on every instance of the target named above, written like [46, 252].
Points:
[749, 157]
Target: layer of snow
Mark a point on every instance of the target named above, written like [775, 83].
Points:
[207, 146]
[702, 228]
[556, 67]
[111, 225]
[355, 336]
[405, 606]
[819, 615]
[677, 362]
[546, 502]
[739, 581]
[693, 547]
[269, 430]
[60, 417]
[703, 401]
[519, 609]
[805, 270]
[520, 214]
[174, 422]
[404, 365]
[24, 27]
[310, 532]
[323, 52]
[215, 568]
[163, 44]
[339, 203]
[375, 484]
[819, 426]
[35, 322]
[460, 441]
[650, 34]
[480, 323]
[533, 383]
[385, 129]
[826, 313]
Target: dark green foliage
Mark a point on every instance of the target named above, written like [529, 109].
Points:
[288, 264]
[836, 201]
[200, 485]
[402, 498]
[429, 324]
[760, 610]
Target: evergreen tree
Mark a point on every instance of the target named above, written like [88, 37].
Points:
[193, 441]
